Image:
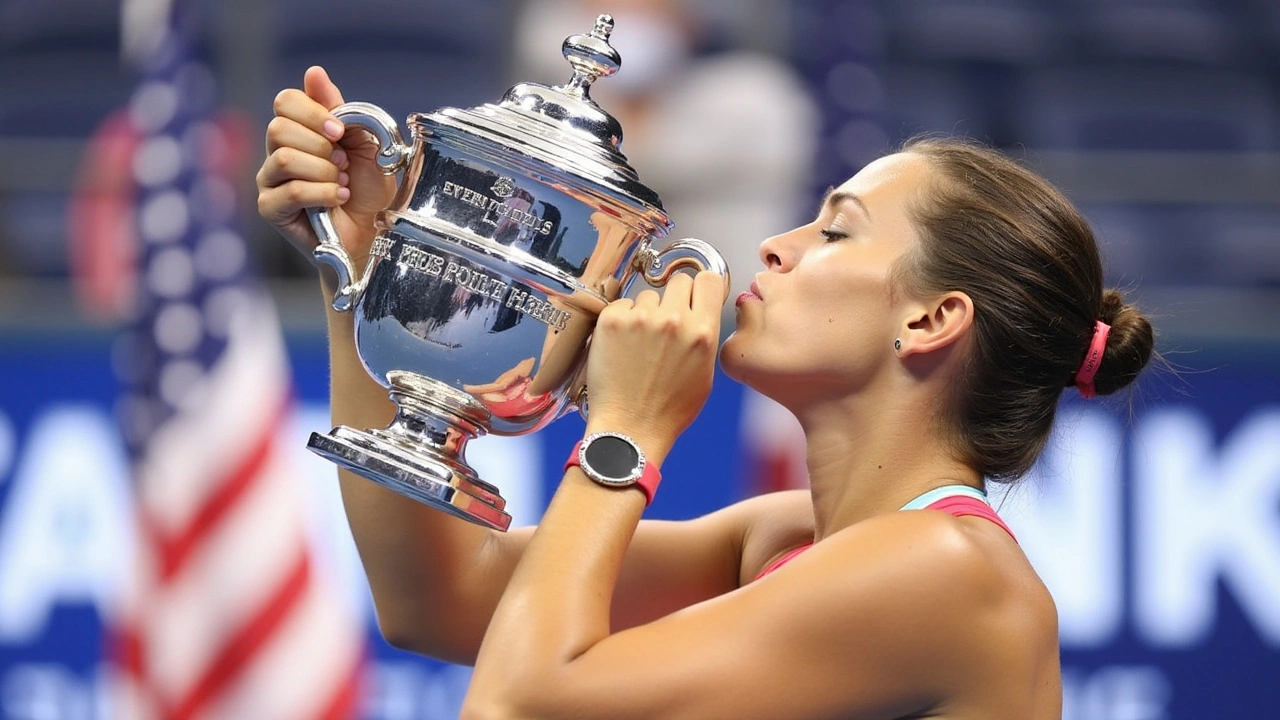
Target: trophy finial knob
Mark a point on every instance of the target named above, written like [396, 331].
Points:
[591, 56]
[604, 27]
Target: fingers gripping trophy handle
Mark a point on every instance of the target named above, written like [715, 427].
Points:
[687, 254]
[657, 269]
[393, 155]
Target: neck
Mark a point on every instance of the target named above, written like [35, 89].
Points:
[871, 453]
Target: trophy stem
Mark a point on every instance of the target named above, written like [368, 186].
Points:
[421, 453]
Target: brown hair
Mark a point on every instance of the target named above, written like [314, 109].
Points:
[1028, 260]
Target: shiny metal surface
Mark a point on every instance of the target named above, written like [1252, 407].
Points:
[513, 226]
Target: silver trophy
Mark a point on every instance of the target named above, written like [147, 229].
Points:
[513, 226]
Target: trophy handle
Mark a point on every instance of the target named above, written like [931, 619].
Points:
[690, 254]
[393, 154]
[657, 267]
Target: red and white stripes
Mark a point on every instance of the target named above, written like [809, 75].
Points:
[228, 617]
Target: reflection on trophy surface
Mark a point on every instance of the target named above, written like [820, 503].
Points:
[514, 225]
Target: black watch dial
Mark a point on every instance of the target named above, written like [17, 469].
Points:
[613, 458]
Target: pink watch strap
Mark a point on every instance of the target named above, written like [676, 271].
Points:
[648, 481]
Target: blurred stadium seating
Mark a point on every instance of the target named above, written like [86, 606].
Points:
[403, 56]
[1162, 117]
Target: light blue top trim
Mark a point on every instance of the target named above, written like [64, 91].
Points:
[945, 491]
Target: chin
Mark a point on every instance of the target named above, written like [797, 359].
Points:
[745, 358]
[734, 360]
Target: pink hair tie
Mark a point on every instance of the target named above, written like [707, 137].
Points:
[1092, 360]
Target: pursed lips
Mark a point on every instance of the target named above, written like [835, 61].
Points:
[752, 294]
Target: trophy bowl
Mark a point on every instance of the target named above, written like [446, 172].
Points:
[512, 227]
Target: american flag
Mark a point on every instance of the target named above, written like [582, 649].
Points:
[227, 616]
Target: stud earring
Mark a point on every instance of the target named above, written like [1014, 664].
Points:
[897, 345]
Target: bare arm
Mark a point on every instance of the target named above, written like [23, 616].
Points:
[899, 616]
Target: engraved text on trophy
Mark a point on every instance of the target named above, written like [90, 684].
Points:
[498, 207]
[519, 298]
[381, 247]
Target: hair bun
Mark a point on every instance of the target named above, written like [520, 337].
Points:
[1129, 346]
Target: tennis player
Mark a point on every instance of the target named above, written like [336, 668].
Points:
[922, 327]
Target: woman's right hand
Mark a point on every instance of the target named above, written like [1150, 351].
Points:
[312, 162]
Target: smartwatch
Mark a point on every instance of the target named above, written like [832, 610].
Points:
[615, 460]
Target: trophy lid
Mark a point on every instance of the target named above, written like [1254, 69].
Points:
[562, 126]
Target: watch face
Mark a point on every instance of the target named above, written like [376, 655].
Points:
[612, 458]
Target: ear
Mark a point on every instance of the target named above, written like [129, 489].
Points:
[936, 325]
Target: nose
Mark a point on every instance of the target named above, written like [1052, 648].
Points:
[779, 252]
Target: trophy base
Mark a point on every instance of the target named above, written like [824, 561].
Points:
[418, 472]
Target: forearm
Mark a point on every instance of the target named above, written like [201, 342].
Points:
[435, 579]
[557, 604]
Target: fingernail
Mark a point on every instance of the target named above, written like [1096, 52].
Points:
[344, 194]
[339, 158]
[333, 129]
[344, 179]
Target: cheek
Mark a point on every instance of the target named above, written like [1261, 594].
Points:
[833, 322]
[849, 296]
[854, 316]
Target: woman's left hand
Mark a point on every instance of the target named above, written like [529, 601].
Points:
[652, 360]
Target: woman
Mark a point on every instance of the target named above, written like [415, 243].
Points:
[921, 328]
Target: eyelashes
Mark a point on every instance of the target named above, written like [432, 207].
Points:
[833, 235]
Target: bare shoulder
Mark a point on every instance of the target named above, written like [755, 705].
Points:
[953, 597]
[977, 564]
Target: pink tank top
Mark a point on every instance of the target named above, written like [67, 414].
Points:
[958, 505]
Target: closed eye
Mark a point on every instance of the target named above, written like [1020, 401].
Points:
[833, 235]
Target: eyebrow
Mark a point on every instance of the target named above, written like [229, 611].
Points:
[835, 197]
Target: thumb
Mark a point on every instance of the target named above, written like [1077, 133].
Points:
[317, 85]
